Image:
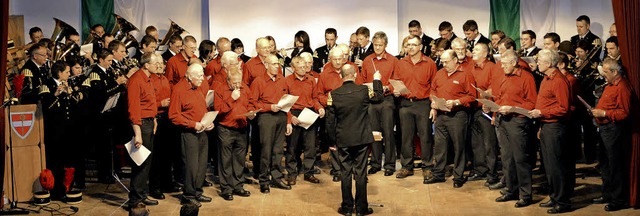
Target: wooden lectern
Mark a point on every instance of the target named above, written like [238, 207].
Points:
[24, 137]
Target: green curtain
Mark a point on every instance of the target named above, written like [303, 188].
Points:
[505, 15]
[97, 12]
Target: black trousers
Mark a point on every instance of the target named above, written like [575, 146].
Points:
[164, 141]
[616, 139]
[272, 128]
[381, 118]
[484, 145]
[559, 162]
[195, 147]
[301, 140]
[590, 136]
[414, 119]
[353, 160]
[513, 136]
[256, 150]
[140, 174]
[232, 149]
[451, 128]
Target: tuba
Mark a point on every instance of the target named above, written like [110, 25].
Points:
[65, 50]
[122, 28]
[60, 31]
[92, 38]
[174, 29]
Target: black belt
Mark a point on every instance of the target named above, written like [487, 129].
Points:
[415, 99]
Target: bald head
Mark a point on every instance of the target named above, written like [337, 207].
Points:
[348, 72]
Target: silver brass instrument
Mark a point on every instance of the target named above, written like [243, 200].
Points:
[174, 29]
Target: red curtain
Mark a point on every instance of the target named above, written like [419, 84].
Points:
[4, 36]
[627, 17]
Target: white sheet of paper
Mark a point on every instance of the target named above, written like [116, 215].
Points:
[441, 102]
[522, 111]
[496, 57]
[482, 92]
[287, 101]
[87, 48]
[492, 105]
[250, 113]
[307, 117]
[208, 118]
[138, 155]
[209, 98]
[529, 60]
[111, 102]
[398, 86]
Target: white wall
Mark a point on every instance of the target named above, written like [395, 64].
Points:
[41, 13]
[600, 12]
[281, 19]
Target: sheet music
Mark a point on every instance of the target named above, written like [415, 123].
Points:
[441, 102]
[208, 118]
[398, 86]
[482, 92]
[87, 48]
[138, 155]
[209, 98]
[287, 101]
[111, 102]
[307, 117]
[585, 103]
[521, 111]
[529, 59]
[493, 107]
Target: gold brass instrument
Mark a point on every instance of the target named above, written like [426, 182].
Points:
[174, 29]
[122, 28]
[130, 41]
[597, 46]
[60, 31]
[65, 50]
[92, 38]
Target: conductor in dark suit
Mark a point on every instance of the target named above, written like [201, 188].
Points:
[348, 123]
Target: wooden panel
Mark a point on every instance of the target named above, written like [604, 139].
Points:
[16, 30]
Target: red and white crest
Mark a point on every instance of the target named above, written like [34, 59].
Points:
[22, 123]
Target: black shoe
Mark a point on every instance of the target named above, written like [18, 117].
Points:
[207, 183]
[403, 173]
[457, 184]
[388, 172]
[367, 212]
[599, 200]
[242, 193]
[291, 180]
[184, 201]
[149, 202]
[559, 209]
[281, 185]
[203, 198]
[373, 171]
[614, 207]
[433, 180]
[312, 179]
[227, 197]
[336, 178]
[506, 197]
[264, 189]
[156, 194]
[315, 171]
[548, 204]
[476, 177]
[523, 203]
[504, 191]
[491, 181]
[497, 186]
[345, 211]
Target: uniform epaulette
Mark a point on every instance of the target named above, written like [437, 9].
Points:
[93, 77]
[315, 54]
[329, 99]
[371, 93]
[87, 82]
[44, 89]
[27, 73]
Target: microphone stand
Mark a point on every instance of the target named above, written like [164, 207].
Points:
[13, 204]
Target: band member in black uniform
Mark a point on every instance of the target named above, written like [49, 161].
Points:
[238, 47]
[365, 47]
[583, 25]
[175, 45]
[301, 44]
[348, 123]
[321, 54]
[80, 114]
[148, 44]
[446, 31]
[528, 44]
[438, 48]
[416, 30]
[472, 36]
[57, 97]
[104, 84]
[587, 78]
[32, 75]
[496, 36]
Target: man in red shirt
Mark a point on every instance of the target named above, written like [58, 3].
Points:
[484, 143]
[453, 84]
[303, 85]
[142, 113]
[232, 102]
[177, 65]
[417, 72]
[266, 91]
[516, 88]
[552, 108]
[381, 113]
[186, 110]
[328, 81]
[612, 113]
[255, 66]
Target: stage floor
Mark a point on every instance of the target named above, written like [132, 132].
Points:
[387, 196]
